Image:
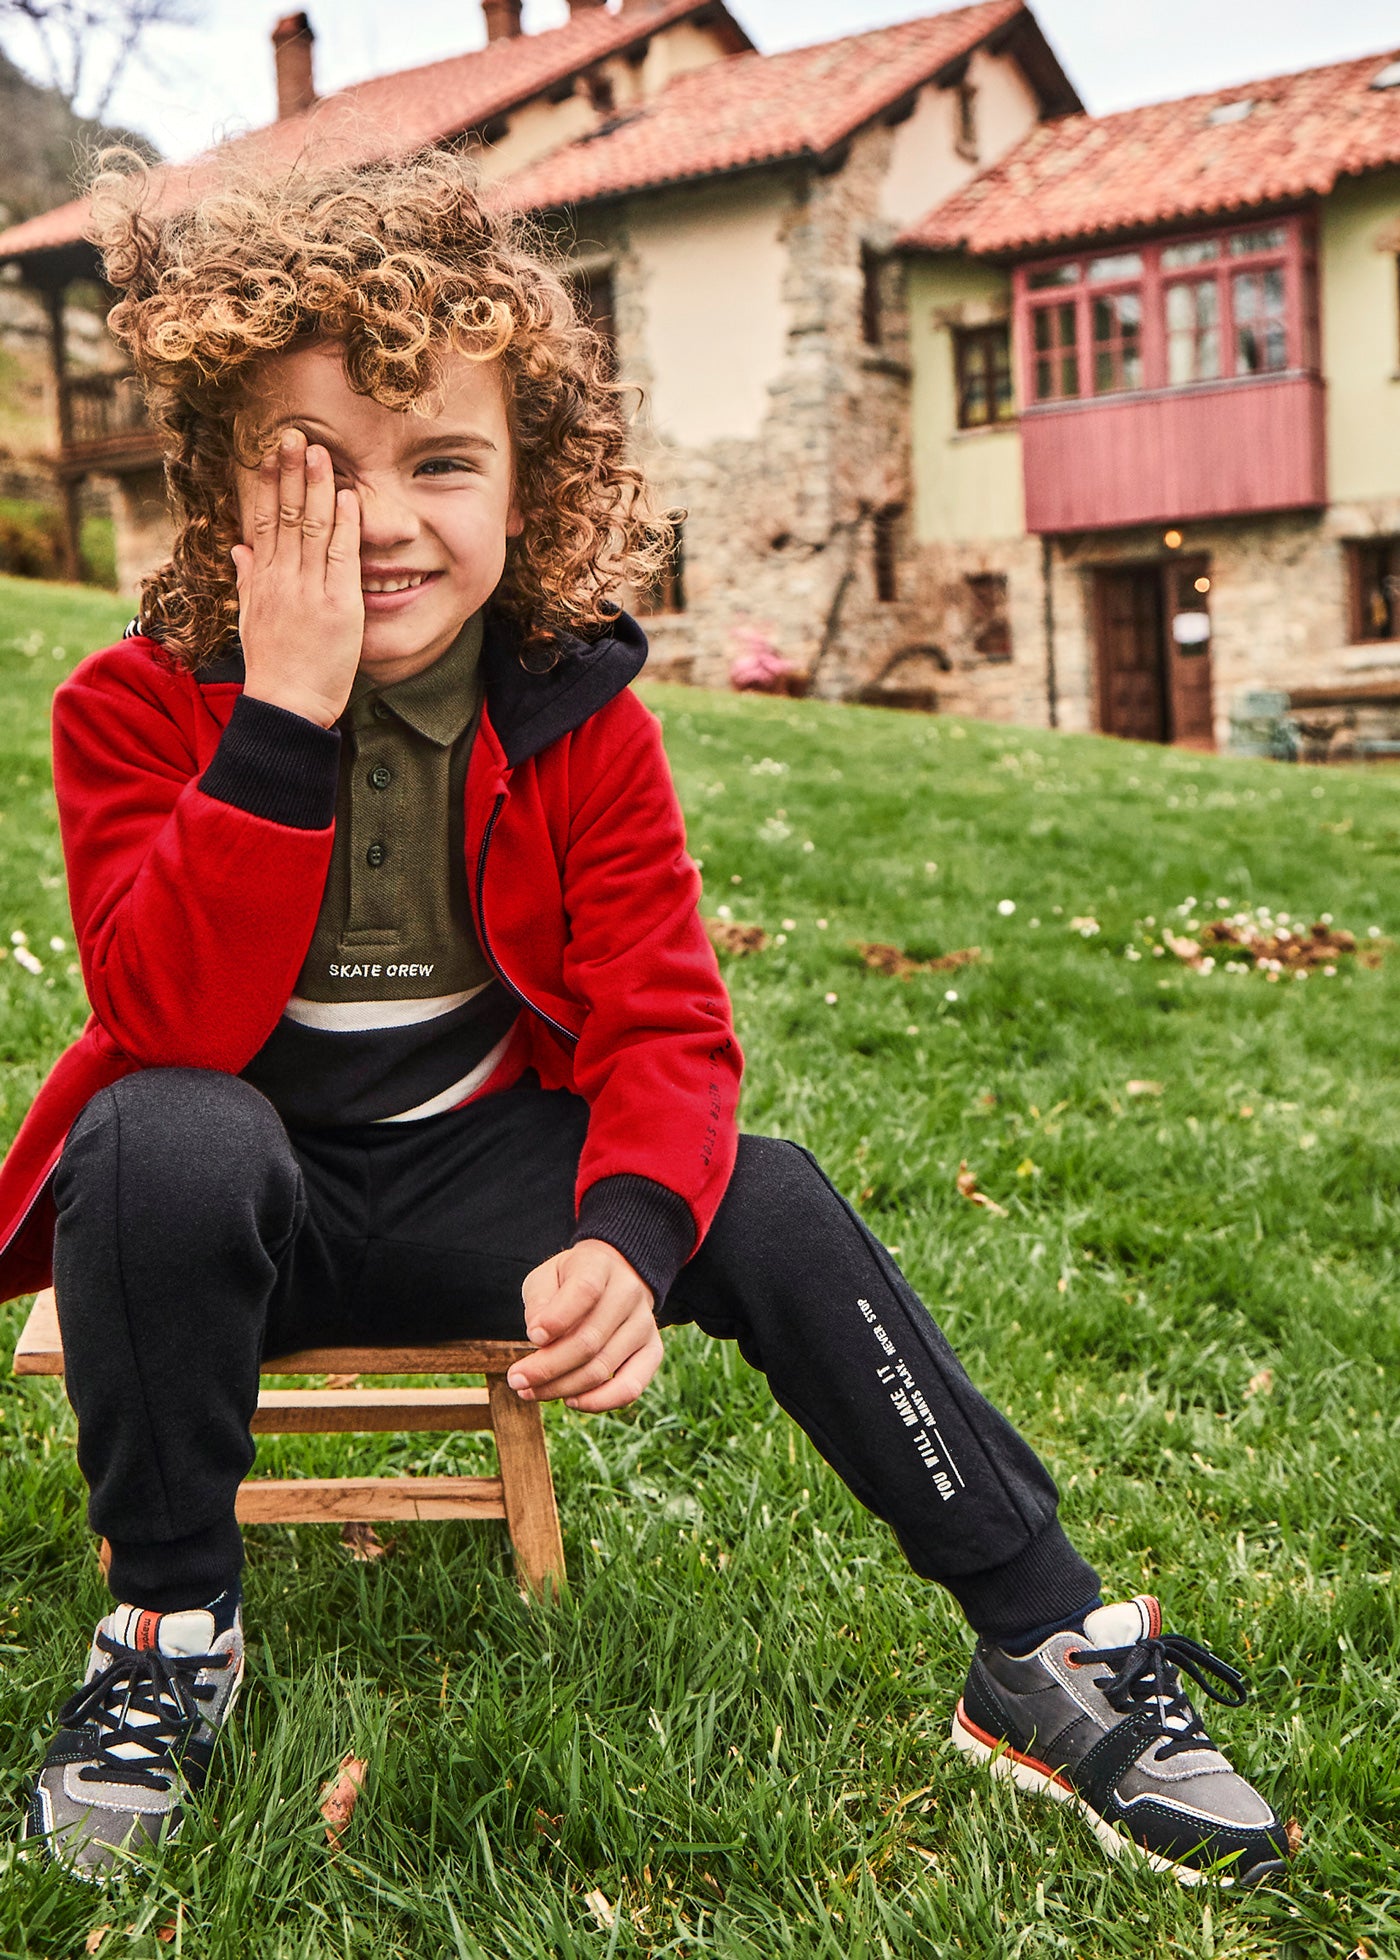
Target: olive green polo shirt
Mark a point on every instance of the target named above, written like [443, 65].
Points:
[395, 921]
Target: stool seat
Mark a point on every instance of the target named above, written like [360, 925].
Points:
[523, 1493]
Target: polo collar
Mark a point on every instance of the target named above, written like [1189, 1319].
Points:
[441, 702]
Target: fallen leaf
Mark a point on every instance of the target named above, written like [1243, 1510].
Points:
[1293, 1831]
[166, 1933]
[339, 1797]
[728, 936]
[967, 1187]
[1144, 1088]
[95, 1938]
[545, 1825]
[1262, 1383]
[603, 1911]
[883, 958]
[364, 1544]
[341, 1381]
[928, 1857]
[708, 1878]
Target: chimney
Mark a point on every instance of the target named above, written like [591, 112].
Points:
[502, 19]
[291, 51]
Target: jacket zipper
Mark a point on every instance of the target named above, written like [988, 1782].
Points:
[505, 979]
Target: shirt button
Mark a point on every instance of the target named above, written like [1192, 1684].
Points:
[375, 855]
[380, 777]
[382, 711]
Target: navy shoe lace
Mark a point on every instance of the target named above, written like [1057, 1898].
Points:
[160, 1687]
[1147, 1678]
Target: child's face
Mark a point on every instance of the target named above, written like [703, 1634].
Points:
[436, 493]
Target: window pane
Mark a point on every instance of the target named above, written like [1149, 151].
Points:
[1117, 326]
[975, 405]
[1055, 275]
[1053, 332]
[1264, 238]
[1377, 573]
[1122, 265]
[1195, 251]
[1193, 331]
[1261, 341]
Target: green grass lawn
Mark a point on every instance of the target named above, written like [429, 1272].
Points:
[734, 1728]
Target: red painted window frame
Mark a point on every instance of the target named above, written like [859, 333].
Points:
[1297, 255]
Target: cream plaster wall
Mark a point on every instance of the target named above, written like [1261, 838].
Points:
[1361, 337]
[712, 265]
[924, 164]
[967, 483]
[533, 130]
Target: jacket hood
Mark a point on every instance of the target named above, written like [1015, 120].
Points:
[529, 708]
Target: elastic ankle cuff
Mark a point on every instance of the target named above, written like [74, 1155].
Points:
[1047, 1581]
[183, 1572]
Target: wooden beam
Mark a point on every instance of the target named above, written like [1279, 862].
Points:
[528, 1489]
[367, 1500]
[449, 1358]
[322, 1411]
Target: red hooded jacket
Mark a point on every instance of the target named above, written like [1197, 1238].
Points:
[197, 830]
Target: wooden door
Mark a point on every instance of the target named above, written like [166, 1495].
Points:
[1133, 698]
[1190, 689]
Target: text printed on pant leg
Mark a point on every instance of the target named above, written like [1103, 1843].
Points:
[913, 1410]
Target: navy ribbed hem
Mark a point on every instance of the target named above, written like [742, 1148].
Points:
[649, 1224]
[1046, 1581]
[277, 765]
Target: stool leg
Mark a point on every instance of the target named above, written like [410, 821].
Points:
[527, 1487]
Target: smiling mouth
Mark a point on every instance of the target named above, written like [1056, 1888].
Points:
[403, 582]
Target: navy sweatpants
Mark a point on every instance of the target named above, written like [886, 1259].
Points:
[196, 1234]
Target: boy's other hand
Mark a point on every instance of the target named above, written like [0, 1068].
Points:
[590, 1318]
[301, 614]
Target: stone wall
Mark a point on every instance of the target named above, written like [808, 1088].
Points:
[779, 528]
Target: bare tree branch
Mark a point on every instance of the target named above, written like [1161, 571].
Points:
[78, 36]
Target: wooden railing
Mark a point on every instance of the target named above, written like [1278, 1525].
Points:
[106, 422]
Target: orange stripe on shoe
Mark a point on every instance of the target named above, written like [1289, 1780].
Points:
[147, 1631]
[1000, 1742]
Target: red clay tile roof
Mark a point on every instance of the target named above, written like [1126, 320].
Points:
[756, 108]
[392, 114]
[1089, 176]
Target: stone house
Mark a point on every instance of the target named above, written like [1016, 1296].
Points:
[1155, 420]
[730, 217]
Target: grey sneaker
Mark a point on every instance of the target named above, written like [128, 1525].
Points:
[1100, 1720]
[134, 1742]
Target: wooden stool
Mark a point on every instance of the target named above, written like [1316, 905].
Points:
[523, 1494]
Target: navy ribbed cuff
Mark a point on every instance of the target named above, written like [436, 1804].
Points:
[1047, 1580]
[649, 1224]
[277, 765]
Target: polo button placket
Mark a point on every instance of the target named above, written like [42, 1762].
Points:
[380, 777]
[375, 855]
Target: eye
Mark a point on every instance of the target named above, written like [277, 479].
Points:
[446, 466]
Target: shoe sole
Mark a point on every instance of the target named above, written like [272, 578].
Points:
[1038, 1779]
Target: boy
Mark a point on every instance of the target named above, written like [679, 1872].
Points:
[404, 1023]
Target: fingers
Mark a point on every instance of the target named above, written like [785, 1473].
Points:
[634, 1333]
[343, 551]
[319, 509]
[627, 1384]
[265, 526]
[291, 493]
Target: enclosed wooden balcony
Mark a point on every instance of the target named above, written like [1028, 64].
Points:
[1176, 379]
[1158, 458]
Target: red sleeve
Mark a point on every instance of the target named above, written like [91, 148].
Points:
[657, 1060]
[194, 898]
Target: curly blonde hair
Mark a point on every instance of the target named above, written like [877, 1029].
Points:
[397, 263]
